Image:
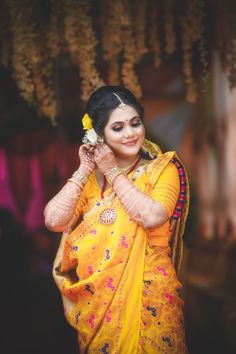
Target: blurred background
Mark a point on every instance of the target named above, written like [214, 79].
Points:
[179, 58]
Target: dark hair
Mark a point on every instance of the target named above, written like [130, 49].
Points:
[103, 101]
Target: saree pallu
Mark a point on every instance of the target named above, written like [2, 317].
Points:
[119, 292]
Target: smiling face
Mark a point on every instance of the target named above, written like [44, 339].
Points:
[124, 132]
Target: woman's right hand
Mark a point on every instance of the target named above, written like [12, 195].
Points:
[87, 163]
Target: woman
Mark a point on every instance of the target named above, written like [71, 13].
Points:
[122, 209]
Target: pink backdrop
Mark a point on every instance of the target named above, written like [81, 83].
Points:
[28, 181]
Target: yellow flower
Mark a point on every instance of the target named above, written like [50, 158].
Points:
[87, 122]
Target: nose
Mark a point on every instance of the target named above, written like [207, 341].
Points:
[128, 132]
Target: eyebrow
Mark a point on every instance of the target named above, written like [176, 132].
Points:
[121, 122]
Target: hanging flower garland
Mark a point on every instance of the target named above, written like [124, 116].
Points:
[170, 39]
[139, 28]
[191, 94]
[43, 69]
[202, 43]
[70, 28]
[82, 43]
[194, 21]
[128, 74]
[231, 60]
[31, 64]
[53, 34]
[112, 39]
[21, 36]
[31, 44]
[90, 76]
[45, 97]
[49, 51]
[191, 32]
[154, 41]
[45, 90]
[230, 45]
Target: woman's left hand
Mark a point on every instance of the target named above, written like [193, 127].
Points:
[104, 158]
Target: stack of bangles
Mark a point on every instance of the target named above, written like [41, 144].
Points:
[112, 174]
[78, 178]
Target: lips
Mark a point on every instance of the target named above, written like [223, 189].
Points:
[130, 143]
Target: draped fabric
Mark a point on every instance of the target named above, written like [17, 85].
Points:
[119, 288]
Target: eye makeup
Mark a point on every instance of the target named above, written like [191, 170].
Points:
[134, 122]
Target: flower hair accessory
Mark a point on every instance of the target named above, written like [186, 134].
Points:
[90, 137]
[87, 122]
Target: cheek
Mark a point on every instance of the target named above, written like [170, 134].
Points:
[112, 138]
[142, 132]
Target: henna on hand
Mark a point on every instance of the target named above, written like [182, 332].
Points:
[86, 155]
[104, 158]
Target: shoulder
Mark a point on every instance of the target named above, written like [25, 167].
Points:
[163, 165]
[170, 169]
[169, 174]
[162, 162]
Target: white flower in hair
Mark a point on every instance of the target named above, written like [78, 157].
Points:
[91, 137]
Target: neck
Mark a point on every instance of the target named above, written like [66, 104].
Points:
[127, 161]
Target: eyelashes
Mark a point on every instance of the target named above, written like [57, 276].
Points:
[118, 129]
[134, 125]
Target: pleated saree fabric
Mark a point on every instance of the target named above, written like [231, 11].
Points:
[118, 282]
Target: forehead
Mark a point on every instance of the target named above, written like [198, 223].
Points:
[122, 115]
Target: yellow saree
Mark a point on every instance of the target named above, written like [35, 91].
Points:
[119, 290]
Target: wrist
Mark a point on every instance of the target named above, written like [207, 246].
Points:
[79, 177]
[85, 170]
[112, 174]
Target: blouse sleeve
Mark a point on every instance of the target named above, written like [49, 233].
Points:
[167, 188]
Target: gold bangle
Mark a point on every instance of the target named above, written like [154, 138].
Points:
[73, 180]
[79, 177]
[112, 174]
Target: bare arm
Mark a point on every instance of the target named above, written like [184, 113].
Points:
[60, 210]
